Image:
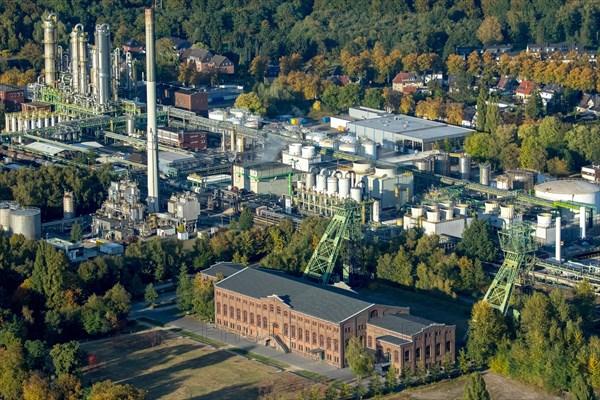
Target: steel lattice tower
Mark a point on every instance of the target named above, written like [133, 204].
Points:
[345, 225]
[519, 247]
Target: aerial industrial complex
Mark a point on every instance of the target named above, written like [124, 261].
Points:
[185, 167]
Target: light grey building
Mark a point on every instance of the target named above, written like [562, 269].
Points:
[263, 177]
[404, 133]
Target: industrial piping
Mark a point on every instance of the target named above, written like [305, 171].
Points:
[152, 134]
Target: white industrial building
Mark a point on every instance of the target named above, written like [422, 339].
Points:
[301, 158]
[404, 133]
[184, 207]
[444, 219]
[263, 177]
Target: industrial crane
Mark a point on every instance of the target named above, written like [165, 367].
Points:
[519, 247]
[345, 225]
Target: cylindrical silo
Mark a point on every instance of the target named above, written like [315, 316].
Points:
[356, 194]
[376, 210]
[131, 125]
[308, 152]
[484, 174]
[321, 183]
[464, 166]
[370, 149]
[461, 209]
[68, 206]
[423, 165]
[544, 220]
[442, 164]
[27, 222]
[507, 211]
[309, 180]
[332, 185]
[433, 215]
[344, 187]
[490, 207]
[295, 149]
[416, 211]
[5, 217]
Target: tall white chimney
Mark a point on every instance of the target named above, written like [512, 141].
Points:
[152, 134]
[558, 240]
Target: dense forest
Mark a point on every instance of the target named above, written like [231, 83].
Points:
[245, 29]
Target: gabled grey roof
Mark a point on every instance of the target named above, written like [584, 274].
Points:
[392, 340]
[326, 303]
[224, 268]
[405, 324]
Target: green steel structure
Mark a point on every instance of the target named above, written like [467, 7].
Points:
[519, 247]
[345, 225]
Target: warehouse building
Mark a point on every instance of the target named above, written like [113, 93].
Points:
[404, 133]
[182, 139]
[317, 322]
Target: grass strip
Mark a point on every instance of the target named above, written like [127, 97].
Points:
[262, 359]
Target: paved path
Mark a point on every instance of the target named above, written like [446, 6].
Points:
[168, 315]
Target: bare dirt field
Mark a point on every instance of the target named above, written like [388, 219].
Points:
[500, 388]
[171, 367]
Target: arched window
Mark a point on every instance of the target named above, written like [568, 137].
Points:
[328, 343]
[396, 356]
[370, 342]
[374, 313]
[285, 329]
[314, 341]
[271, 307]
[251, 318]
[321, 341]
[336, 345]
[231, 312]
[258, 320]
[278, 310]
[299, 333]
[245, 316]
[224, 311]
[293, 332]
[238, 314]
[218, 307]
[265, 324]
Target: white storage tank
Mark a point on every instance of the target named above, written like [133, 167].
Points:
[464, 166]
[385, 172]
[332, 185]
[416, 211]
[309, 180]
[507, 211]
[131, 125]
[433, 215]
[348, 148]
[461, 209]
[570, 190]
[27, 222]
[361, 167]
[5, 217]
[490, 207]
[344, 187]
[503, 182]
[356, 194]
[544, 220]
[321, 183]
[376, 210]
[236, 112]
[484, 174]
[370, 149]
[447, 213]
[308, 152]
[295, 149]
[424, 165]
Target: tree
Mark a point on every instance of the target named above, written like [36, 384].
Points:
[585, 300]
[407, 104]
[534, 107]
[107, 390]
[50, 274]
[391, 380]
[37, 387]
[475, 388]
[454, 113]
[12, 370]
[150, 295]
[373, 98]
[67, 358]
[259, 66]
[533, 154]
[246, 220]
[490, 31]
[203, 303]
[118, 301]
[360, 362]
[184, 290]
[375, 385]
[481, 110]
[76, 232]
[251, 102]
[492, 117]
[486, 328]
[477, 241]
[94, 316]
[581, 388]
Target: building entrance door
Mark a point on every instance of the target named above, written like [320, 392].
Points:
[275, 328]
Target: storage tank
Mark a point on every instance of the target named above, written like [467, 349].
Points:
[309, 180]
[490, 207]
[130, 125]
[521, 179]
[385, 172]
[423, 165]
[348, 148]
[370, 149]
[416, 211]
[544, 220]
[507, 211]
[344, 187]
[27, 222]
[321, 183]
[356, 194]
[295, 149]
[332, 185]
[484, 174]
[5, 217]
[570, 190]
[433, 215]
[68, 206]
[441, 164]
[308, 152]
[461, 209]
[464, 166]
[236, 112]
[503, 182]
[361, 167]
[447, 213]
[217, 115]
[376, 210]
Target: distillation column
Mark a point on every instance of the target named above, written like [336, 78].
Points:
[50, 49]
[103, 57]
[75, 57]
[151, 132]
[84, 80]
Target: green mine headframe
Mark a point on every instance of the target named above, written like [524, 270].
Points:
[345, 225]
[519, 247]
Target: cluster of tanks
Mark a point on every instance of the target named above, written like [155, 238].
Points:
[26, 221]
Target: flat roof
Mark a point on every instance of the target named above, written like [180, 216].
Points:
[392, 340]
[167, 156]
[402, 323]
[264, 165]
[87, 145]
[412, 128]
[8, 88]
[323, 302]
[44, 148]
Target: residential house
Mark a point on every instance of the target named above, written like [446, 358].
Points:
[549, 91]
[134, 47]
[464, 51]
[340, 80]
[498, 49]
[458, 83]
[180, 44]
[206, 61]
[407, 80]
[506, 86]
[11, 97]
[525, 90]
[223, 64]
[469, 119]
[589, 104]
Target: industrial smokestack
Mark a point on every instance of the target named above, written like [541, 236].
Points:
[152, 134]
[103, 63]
[50, 48]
